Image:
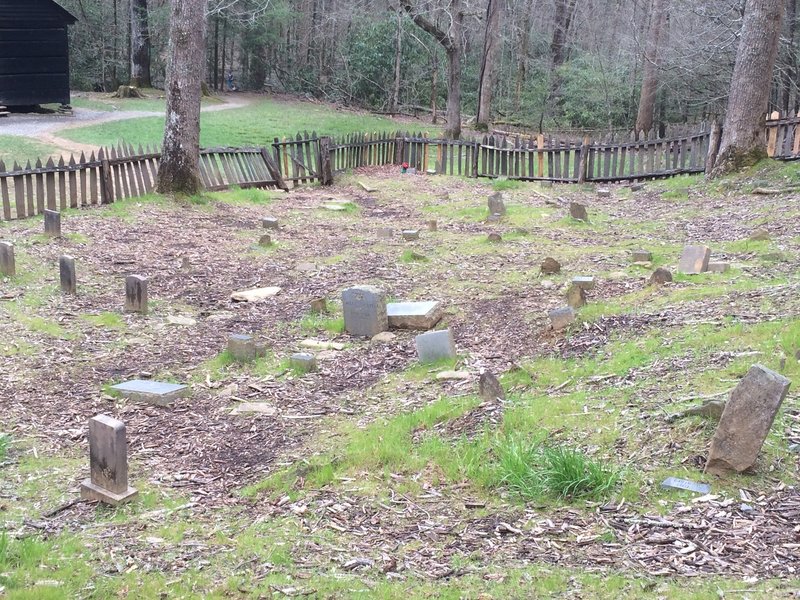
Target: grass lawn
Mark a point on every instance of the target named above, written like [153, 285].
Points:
[20, 149]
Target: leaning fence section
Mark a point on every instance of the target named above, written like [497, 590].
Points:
[783, 136]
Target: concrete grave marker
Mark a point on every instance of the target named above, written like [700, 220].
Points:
[660, 276]
[746, 420]
[255, 295]
[641, 256]
[576, 297]
[410, 234]
[364, 310]
[66, 271]
[560, 318]
[242, 347]
[414, 315]
[489, 388]
[367, 188]
[718, 267]
[153, 392]
[550, 266]
[494, 238]
[497, 205]
[269, 223]
[136, 294]
[453, 375]
[108, 463]
[578, 211]
[435, 345]
[8, 265]
[322, 345]
[637, 187]
[583, 282]
[603, 193]
[303, 362]
[319, 305]
[52, 223]
[759, 235]
[694, 260]
[334, 206]
[432, 225]
[676, 483]
[411, 170]
[265, 240]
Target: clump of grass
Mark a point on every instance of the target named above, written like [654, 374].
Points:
[314, 322]
[410, 256]
[532, 470]
[501, 185]
[5, 442]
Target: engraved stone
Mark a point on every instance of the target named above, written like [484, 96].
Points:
[364, 310]
[52, 223]
[7, 263]
[108, 463]
[435, 345]
[66, 270]
[136, 294]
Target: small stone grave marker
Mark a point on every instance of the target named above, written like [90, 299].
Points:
[364, 310]
[497, 205]
[265, 240]
[108, 463]
[136, 294]
[578, 211]
[414, 315]
[489, 388]
[242, 347]
[269, 223]
[319, 305]
[584, 282]
[410, 234]
[66, 271]
[453, 375]
[759, 235]
[8, 265]
[334, 206]
[676, 483]
[746, 420]
[660, 276]
[261, 408]
[321, 345]
[576, 297]
[367, 188]
[603, 192]
[494, 238]
[694, 260]
[432, 225]
[435, 345]
[637, 187]
[550, 266]
[255, 295]
[641, 256]
[560, 318]
[303, 362]
[52, 223]
[385, 233]
[718, 267]
[159, 393]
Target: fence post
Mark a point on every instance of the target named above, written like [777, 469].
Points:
[713, 145]
[476, 145]
[772, 133]
[106, 185]
[274, 170]
[583, 161]
[325, 171]
[399, 150]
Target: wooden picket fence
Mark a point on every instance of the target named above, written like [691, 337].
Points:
[783, 136]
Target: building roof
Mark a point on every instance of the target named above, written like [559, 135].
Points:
[34, 10]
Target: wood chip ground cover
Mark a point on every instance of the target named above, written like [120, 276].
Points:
[605, 386]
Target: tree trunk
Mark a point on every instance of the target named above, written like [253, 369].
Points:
[743, 142]
[647, 97]
[398, 57]
[179, 171]
[565, 11]
[790, 64]
[434, 88]
[491, 42]
[140, 45]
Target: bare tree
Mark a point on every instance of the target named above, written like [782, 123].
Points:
[179, 171]
[140, 45]
[652, 53]
[491, 45]
[743, 141]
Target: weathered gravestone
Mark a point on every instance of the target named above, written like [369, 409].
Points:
[319, 305]
[560, 318]
[385, 233]
[108, 463]
[759, 235]
[433, 225]
[66, 271]
[364, 310]
[576, 297]
[497, 205]
[52, 223]
[550, 266]
[660, 276]
[583, 282]
[718, 267]
[269, 223]
[694, 260]
[494, 238]
[159, 393]
[435, 345]
[255, 295]
[489, 388]
[578, 211]
[604, 192]
[8, 265]
[410, 234]
[265, 240]
[136, 294]
[641, 256]
[414, 315]
[676, 483]
[746, 421]
[303, 362]
[242, 347]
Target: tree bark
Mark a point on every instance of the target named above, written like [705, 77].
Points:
[179, 171]
[491, 42]
[652, 52]
[140, 45]
[743, 142]
[789, 83]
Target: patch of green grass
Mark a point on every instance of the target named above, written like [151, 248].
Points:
[218, 367]
[316, 322]
[412, 256]
[502, 184]
[5, 443]
[106, 320]
[247, 196]
[21, 150]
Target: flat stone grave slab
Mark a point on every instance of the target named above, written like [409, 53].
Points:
[255, 295]
[159, 393]
[321, 345]
[585, 283]
[367, 188]
[414, 315]
[684, 484]
[435, 345]
[335, 206]
[694, 260]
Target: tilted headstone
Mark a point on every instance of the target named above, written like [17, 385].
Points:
[410, 234]
[8, 265]
[641, 256]
[269, 223]
[660, 276]
[136, 294]
[576, 297]
[560, 318]
[242, 347]
[364, 309]
[584, 282]
[159, 393]
[303, 362]
[746, 420]
[66, 271]
[489, 388]
[52, 223]
[578, 211]
[718, 267]
[108, 463]
[414, 315]
[694, 260]
[435, 345]
[550, 266]
[497, 205]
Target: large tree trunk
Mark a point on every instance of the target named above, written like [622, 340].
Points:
[655, 35]
[788, 81]
[491, 42]
[743, 142]
[140, 45]
[179, 171]
[398, 57]
[564, 13]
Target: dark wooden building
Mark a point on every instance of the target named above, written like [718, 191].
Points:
[34, 52]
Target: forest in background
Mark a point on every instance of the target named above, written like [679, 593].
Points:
[554, 63]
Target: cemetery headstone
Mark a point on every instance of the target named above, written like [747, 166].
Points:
[410, 234]
[265, 240]
[108, 463]
[641, 256]
[603, 192]
[497, 205]
[494, 238]
[584, 282]
[576, 297]
[694, 260]
[364, 310]
[746, 420]
[159, 393]
[660, 276]
[560, 318]
[66, 271]
[242, 347]
[489, 388]
[414, 315]
[494, 218]
[676, 483]
[319, 306]
[759, 235]
[411, 170]
[435, 345]
[550, 266]
[136, 294]
[718, 267]
[303, 362]
[637, 187]
[578, 211]
[432, 225]
[8, 265]
[52, 223]
[269, 223]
